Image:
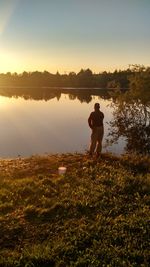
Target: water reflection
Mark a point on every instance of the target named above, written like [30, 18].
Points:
[54, 120]
[83, 95]
[53, 126]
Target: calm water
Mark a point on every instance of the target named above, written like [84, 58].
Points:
[57, 125]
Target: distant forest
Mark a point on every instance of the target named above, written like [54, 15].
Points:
[83, 79]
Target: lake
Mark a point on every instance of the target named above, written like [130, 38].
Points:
[55, 124]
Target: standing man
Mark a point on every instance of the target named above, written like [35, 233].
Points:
[95, 122]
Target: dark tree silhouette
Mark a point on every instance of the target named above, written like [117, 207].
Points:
[83, 79]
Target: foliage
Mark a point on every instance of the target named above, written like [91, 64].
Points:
[140, 84]
[96, 214]
[84, 79]
[132, 113]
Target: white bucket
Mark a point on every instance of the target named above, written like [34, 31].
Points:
[62, 170]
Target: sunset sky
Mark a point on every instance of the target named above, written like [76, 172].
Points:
[67, 35]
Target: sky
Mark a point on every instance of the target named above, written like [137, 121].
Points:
[67, 35]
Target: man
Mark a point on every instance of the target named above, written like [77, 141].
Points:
[95, 122]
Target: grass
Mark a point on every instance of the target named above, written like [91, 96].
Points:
[97, 214]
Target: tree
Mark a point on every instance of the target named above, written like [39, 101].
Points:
[85, 78]
[140, 84]
[132, 113]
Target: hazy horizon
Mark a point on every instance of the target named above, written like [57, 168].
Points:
[67, 72]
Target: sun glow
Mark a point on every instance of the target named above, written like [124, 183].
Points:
[3, 101]
[8, 61]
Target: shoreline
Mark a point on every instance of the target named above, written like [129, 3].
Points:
[66, 159]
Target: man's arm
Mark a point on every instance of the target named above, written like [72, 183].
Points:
[90, 121]
[103, 115]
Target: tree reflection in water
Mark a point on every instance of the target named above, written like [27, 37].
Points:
[83, 95]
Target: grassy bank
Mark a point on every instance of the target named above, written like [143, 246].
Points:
[97, 214]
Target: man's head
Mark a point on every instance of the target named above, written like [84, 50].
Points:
[97, 106]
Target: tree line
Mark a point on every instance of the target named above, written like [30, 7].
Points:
[83, 79]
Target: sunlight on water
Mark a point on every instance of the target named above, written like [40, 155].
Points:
[37, 127]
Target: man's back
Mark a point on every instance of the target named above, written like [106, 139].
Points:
[96, 119]
[95, 122]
